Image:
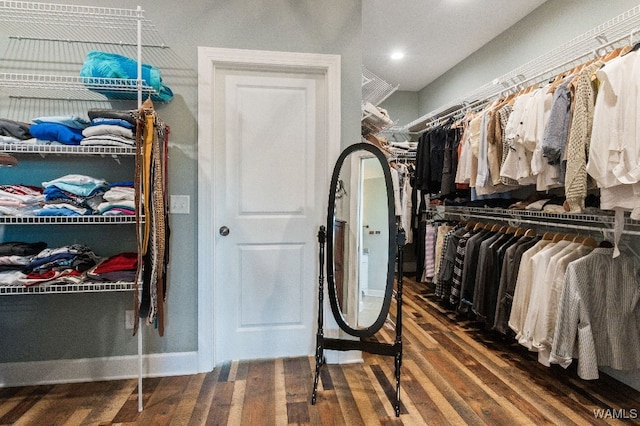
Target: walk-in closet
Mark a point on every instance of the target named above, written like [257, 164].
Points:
[349, 212]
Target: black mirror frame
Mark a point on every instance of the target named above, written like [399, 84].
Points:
[392, 243]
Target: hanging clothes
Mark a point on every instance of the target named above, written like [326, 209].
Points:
[614, 151]
[508, 279]
[152, 235]
[580, 138]
[598, 314]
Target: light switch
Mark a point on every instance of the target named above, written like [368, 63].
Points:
[179, 204]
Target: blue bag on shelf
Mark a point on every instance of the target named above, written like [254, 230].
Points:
[99, 64]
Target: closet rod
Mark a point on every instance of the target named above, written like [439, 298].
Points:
[619, 27]
[517, 222]
[535, 79]
[552, 70]
[471, 106]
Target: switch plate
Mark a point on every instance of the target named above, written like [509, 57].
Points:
[179, 204]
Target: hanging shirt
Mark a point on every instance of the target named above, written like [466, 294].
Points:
[508, 278]
[539, 290]
[482, 178]
[522, 291]
[614, 152]
[556, 133]
[517, 165]
[580, 138]
[463, 173]
[598, 314]
[547, 175]
[505, 113]
[545, 326]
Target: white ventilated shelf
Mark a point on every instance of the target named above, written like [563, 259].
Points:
[67, 220]
[73, 23]
[601, 221]
[65, 149]
[619, 31]
[84, 287]
[88, 88]
[603, 217]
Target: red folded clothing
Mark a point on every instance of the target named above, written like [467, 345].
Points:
[118, 262]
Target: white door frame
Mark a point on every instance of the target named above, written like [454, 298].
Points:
[209, 59]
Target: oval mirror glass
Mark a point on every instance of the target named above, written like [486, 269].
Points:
[361, 240]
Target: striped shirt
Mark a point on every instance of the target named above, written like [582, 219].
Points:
[599, 314]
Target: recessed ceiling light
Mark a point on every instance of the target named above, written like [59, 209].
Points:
[397, 55]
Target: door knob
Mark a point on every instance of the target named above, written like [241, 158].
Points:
[224, 231]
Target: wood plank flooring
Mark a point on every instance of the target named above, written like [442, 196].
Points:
[453, 372]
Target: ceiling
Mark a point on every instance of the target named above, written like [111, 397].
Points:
[434, 35]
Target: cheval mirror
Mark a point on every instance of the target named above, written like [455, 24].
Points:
[363, 251]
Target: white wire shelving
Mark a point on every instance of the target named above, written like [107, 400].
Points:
[601, 221]
[76, 24]
[85, 88]
[59, 288]
[68, 220]
[45, 46]
[66, 149]
[374, 89]
[622, 30]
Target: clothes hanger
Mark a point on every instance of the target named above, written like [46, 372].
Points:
[530, 233]
[615, 53]
[557, 237]
[626, 49]
[548, 236]
[558, 81]
[605, 244]
[590, 242]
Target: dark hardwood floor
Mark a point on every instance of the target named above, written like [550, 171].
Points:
[453, 372]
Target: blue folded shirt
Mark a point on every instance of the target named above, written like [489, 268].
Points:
[56, 132]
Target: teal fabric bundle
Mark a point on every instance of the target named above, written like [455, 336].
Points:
[99, 64]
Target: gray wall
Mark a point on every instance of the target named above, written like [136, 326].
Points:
[403, 107]
[549, 26]
[92, 325]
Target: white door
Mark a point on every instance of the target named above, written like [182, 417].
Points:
[270, 174]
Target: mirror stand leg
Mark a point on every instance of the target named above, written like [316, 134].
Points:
[320, 360]
[319, 363]
[398, 342]
[398, 362]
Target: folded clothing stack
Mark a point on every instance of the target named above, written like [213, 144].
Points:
[14, 132]
[65, 130]
[72, 195]
[20, 200]
[14, 256]
[30, 264]
[119, 199]
[64, 264]
[121, 267]
[110, 128]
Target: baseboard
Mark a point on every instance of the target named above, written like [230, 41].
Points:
[374, 293]
[342, 357]
[97, 369]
